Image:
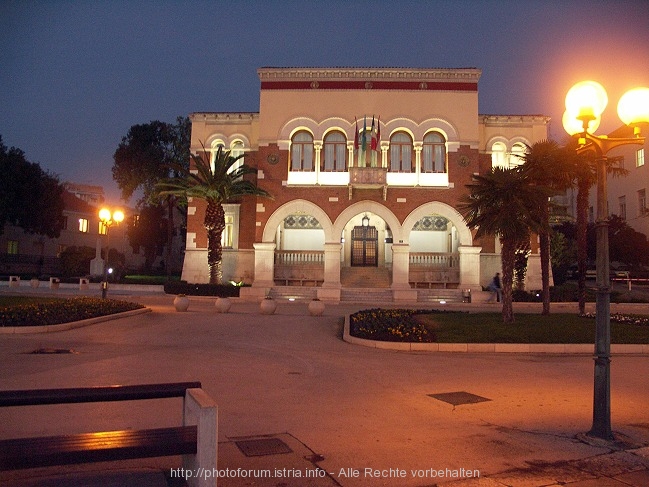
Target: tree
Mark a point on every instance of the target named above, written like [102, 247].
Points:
[30, 198]
[216, 183]
[627, 245]
[545, 164]
[583, 170]
[149, 231]
[504, 203]
[144, 157]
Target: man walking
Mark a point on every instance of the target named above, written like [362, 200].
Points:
[494, 287]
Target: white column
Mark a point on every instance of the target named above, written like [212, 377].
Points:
[400, 266]
[332, 265]
[264, 264]
[470, 267]
[318, 150]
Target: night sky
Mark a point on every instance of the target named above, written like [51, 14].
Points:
[75, 75]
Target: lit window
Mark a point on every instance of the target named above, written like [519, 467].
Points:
[83, 225]
[103, 228]
[228, 232]
[12, 247]
[622, 204]
[214, 149]
[401, 153]
[516, 157]
[498, 153]
[335, 151]
[639, 157]
[235, 151]
[302, 153]
[642, 202]
[433, 154]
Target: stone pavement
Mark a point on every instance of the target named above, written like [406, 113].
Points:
[350, 416]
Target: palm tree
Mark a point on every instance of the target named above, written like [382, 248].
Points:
[545, 164]
[216, 183]
[504, 203]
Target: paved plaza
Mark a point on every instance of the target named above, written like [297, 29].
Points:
[351, 416]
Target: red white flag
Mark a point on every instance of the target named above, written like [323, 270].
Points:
[356, 135]
[373, 142]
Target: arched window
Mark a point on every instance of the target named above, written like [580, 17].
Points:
[499, 155]
[334, 153]
[302, 153]
[401, 158]
[236, 150]
[518, 150]
[214, 148]
[433, 154]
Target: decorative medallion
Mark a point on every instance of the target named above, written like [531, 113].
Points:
[315, 85]
[464, 161]
[423, 85]
[298, 221]
[272, 158]
[431, 223]
[368, 85]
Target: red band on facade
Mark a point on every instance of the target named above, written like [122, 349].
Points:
[369, 85]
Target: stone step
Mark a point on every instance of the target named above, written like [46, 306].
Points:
[365, 295]
[437, 295]
[297, 293]
[365, 277]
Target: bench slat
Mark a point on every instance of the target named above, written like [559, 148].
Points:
[50, 451]
[95, 394]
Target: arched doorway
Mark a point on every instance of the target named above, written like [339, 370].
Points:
[364, 244]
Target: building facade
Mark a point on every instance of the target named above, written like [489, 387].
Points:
[366, 168]
[627, 195]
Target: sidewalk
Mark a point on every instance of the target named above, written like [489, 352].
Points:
[350, 416]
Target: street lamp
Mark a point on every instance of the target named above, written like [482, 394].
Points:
[108, 218]
[585, 103]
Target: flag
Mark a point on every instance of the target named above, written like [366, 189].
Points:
[373, 142]
[356, 135]
[364, 139]
[378, 133]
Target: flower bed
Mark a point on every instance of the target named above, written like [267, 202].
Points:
[626, 319]
[391, 325]
[56, 311]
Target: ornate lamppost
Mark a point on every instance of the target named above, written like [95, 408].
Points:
[585, 103]
[108, 218]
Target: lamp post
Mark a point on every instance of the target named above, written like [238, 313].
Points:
[108, 218]
[585, 103]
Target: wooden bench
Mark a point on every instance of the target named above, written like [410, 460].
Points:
[195, 440]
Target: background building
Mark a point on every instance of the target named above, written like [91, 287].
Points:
[366, 167]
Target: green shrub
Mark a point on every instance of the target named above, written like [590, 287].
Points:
[221, 290]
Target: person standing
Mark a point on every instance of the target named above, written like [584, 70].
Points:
[496, 290]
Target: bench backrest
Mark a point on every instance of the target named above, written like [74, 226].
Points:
[37, 397]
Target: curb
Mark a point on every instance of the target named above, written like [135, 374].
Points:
[554, 348]
[7, 330]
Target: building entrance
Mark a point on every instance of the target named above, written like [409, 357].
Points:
[365, 243]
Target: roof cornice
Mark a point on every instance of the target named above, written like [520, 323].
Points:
[370, 74]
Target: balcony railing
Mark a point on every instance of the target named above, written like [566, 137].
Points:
[299, 257]
[434, 270]
[367, 176]
[435, 259]
[299, 267]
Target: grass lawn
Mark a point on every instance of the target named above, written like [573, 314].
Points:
[528, 328]
[34, 311]
[404, 325]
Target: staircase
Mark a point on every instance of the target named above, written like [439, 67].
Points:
[437, 295]
[365, 277]
[297, 293]
[366, 295]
